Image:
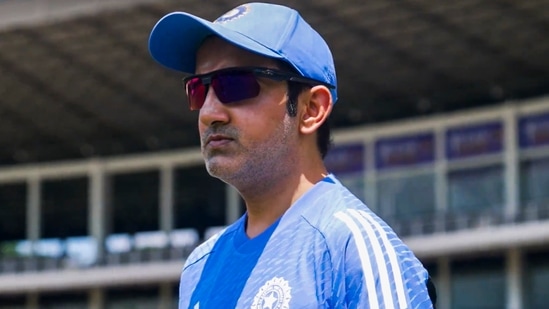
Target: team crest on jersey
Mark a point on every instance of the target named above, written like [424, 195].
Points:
[274, 294]
[233, 14]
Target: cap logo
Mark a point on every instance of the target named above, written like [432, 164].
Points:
[233, 14]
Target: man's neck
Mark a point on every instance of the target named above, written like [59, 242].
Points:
[268, 206]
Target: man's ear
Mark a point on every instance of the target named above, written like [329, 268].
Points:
[316, 109]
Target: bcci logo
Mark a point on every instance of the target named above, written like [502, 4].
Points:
[274, 294]
[233, 14]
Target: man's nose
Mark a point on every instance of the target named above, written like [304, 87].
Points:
[213, 110]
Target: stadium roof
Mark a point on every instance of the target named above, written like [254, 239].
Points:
[78, 82]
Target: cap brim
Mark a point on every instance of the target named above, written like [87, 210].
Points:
[176, 37]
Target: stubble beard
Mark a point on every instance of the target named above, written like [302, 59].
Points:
[256, 167]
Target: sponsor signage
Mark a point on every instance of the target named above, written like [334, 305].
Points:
[469, 141]
[405, 151]
[346, 159]
[533, 130]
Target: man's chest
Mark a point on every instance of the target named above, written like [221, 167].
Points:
[285, 275]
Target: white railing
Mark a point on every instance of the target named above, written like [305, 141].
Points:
[81, 252]
[158, 246]
[451, 222]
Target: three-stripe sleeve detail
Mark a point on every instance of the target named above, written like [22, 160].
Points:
[360, 222]
[369, 280]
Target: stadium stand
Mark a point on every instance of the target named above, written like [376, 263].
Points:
[441, 128]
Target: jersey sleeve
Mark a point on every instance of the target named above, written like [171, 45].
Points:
[377, 269]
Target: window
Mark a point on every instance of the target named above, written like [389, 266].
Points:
[13, 301]
[200, 199]
[406, 196]
[536, 281]
[135, 202]
[12, 211]
[405, 179]
[534, 181]
[137, 297]
[175, 296]
[476, 190]
[67, 300]
[64, 200]
[478, 284]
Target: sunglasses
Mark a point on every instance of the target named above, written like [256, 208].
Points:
[236, 84]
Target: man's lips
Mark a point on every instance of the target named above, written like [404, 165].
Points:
[216, 140]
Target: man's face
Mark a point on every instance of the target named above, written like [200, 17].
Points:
[250, 142]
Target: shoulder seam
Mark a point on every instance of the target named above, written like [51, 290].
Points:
[321, 234]
[197, 260]
[213, 239]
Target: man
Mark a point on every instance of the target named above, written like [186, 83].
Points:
[264, 85]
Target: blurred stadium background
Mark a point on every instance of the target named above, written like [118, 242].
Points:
[442, 127]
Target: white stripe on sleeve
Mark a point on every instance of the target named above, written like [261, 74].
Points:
[391, 253]
[378, 254]
[369, 280]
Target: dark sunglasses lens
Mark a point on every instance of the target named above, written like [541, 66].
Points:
[235, 86]
[196, 93]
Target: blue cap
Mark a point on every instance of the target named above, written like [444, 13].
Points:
[269, 30]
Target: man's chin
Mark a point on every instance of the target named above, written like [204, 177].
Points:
[219, 167]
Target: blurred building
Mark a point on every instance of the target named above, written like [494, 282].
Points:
[442, 128]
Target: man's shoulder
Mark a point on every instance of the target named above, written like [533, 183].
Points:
[326, 209]
[341, 224]
[339, 216]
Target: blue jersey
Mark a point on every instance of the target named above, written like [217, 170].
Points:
[327, 251]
